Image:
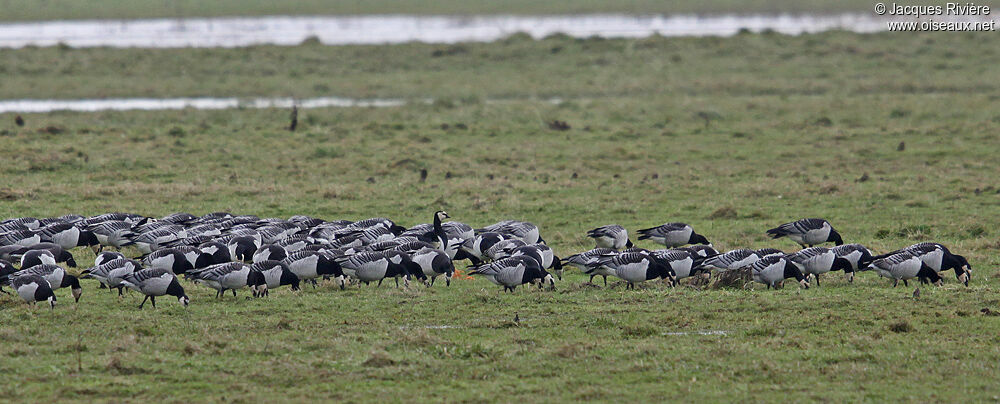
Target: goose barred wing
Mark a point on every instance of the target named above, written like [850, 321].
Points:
[139, 277]
[797, 227]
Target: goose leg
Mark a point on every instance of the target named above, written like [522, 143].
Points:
[234, 292]
[152, 299]
[397, 282]
[895, 282]
[143, 302]
[592, 279]
[605, 280]
[379, 283]
[817, 279]
[905, 283]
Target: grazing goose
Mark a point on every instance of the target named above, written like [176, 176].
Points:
[772, 269]
[309, 265]
[734, 259]
[69, 236]
[525, 231]
[672, 235]
[60, 254]
[857, 254]
[56, 277]
[513, 272]
[703, 251]
[542, 253]
[433, 262]
[905, 266]
[939, 258]
[37, 257]
[816, 261]
[211, 253]
[583, 261]
[6, 269]
[113, 233]
[107, 256]
[276, 274]
[477, 246]
[181, 218]
[34, 288]
[807, 232]
[242, 248]
[21, 237]
[499, 250]
[684, 263]
[110, 273]
[171, 259]
[272, 252]
[636, 267]
[230, 276]
[153, 240]
[370, 266]
[29, 223]
[155, 282]
[610, 236]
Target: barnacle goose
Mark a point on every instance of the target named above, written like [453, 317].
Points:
[525, 231]
[807, 232]
[182, 218]
[816, 261]
[939, 258]
[370, 266]
[542, 253]
[230, 276]
[21, 237]
[242, 248]
[684, 263]
[309, 265]
[272, 252]
[107, 256]
[700, 250]
[110, 273]
[34, 288]
[583, 260]
[37, 257]
[499, 250]
[433, 262]
[29, 223]
[610, 236]
[672, 235]
[56, 276]
[904, 266]
[513, 272]
[772, 269]
[211, 253]
[858, 255]
[733, 259]
[155, 282]
[153, 240]
[6, 268]
[636, 267]
[60, 254]
[171, 259]
[276, 274]
[113, 233]
[477, 246]
[69, 236]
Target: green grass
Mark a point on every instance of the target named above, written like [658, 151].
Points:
[27, 10]
[788, 136]
[834, 65]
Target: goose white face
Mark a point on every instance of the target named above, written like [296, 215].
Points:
[184, 300]
[441, 215]
[52, 302]
[804, 283]
[850, 277]
[551, 281]
[76, 294]
[341, 282]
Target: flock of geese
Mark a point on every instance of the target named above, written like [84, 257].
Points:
[229, 252]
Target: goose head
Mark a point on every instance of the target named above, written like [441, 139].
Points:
[835, 237]
[441, 215]
[699, 239]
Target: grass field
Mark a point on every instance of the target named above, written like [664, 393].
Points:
[707, 131]
[27, 10]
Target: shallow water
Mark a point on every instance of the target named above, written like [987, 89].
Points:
[373, 29]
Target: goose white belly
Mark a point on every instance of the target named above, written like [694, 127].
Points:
[819, 264]
[425, 260]
[272, 277]
[770, 275]
[68, 238]
[905, 270]
[682, 268]
[812, 237]
[27, 292]
[372, 271]
[157, 286]
[634, 272]
[306, 268]
[235, 279]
